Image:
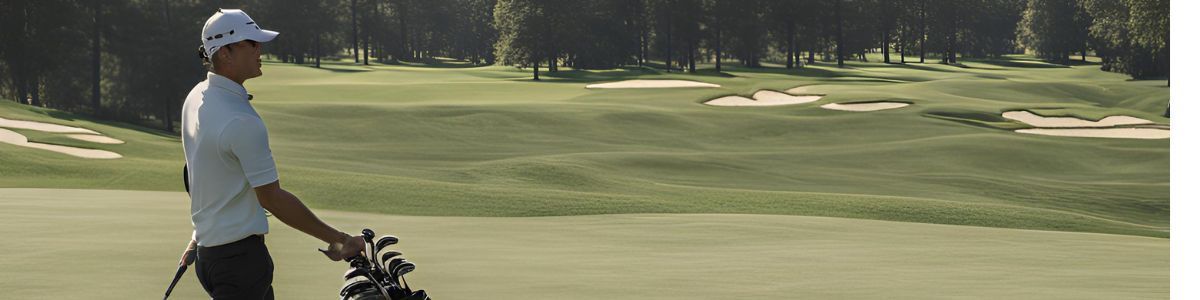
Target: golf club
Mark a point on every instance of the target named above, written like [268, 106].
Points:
[367, 279]
[385, 241]
[191, 257]
[389, 255]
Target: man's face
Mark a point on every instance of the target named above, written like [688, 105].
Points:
[243, 59]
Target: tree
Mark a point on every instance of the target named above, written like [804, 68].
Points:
[720, 14]
[783, 26]
[747, 32]
[1051, 29]
[521, 26]
[887, 13]
[1131, 36]
[989, 27]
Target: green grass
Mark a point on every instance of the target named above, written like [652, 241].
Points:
[124, 245]
[488, 141]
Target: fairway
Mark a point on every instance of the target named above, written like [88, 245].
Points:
[487, 141]
[124, 244]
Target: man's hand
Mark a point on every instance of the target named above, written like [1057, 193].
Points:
[189, 254]
[348, 247]
[287, 208]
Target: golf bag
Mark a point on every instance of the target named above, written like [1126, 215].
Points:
[368, 279]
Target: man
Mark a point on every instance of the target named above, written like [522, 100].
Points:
[232, 173]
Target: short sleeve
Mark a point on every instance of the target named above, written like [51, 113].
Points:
[247, 138]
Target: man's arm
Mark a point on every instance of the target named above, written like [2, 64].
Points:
[287, 208]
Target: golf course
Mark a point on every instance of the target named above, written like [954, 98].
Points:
[502, 187]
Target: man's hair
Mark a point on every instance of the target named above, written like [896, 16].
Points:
[209, 63]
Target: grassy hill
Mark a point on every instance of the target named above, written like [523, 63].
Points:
[461, 141]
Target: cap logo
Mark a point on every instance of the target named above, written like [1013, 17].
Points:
[218, 36]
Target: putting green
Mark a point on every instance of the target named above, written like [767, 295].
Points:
[107, 244]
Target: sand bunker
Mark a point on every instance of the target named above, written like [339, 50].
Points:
[871, 106]
[96, 138]
[1116, 133]
[46, 127]
[10, 137]
[777, 98]
[763, 98]
[651, 84]
[1068, 122]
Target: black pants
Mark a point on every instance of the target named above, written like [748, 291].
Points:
[238, 270]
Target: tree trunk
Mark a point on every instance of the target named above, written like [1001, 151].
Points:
[317, 56]
[812, 55]
[354, 27]
[791, 45]
[954, 34]
[406, 45]
[642, 47]
[668, 43]
[375, 16]
[796, 52]
[718, 46]
[1083, 52]
[35, 98]
[841, 52]
[691, 57]
[535, 71]
[366, 40]
[923, 31]
[96, 4]
[886, 55]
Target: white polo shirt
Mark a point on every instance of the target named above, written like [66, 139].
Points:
[225, 144]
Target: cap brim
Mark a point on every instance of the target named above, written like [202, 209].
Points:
[263, 36]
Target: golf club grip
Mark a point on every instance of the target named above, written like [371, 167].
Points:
[178, 274]
[186, 183]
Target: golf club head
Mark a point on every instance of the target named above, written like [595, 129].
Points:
[368, 235]
[385, 241]
[353, 272]
[400, 267]
[389, 255]
[360, 289]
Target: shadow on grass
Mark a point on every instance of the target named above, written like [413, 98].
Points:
[912, 66]
[69, 116]
[340, 65]
[974, 119]
[1010, 62]
[339, 70]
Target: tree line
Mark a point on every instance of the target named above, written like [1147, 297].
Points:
[134, 60]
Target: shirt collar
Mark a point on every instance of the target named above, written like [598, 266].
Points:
[217, 80]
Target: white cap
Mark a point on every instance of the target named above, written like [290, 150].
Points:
[229, 26]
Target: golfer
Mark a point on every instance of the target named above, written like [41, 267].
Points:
[232, 174]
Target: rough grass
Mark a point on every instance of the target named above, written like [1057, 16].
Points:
[487, 141]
